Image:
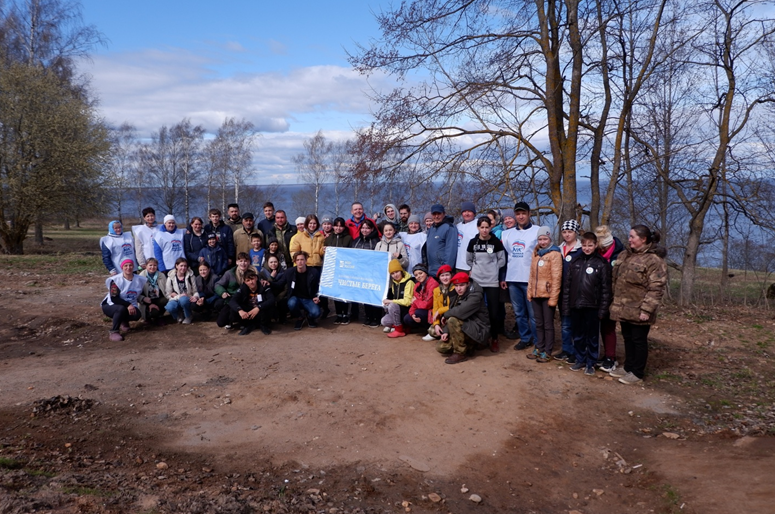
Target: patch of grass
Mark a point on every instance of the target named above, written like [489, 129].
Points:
[666, 375]
[672, 498]
[61, 264]
[40, 473]
[9, 463]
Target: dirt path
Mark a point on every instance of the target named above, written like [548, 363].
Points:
[371, 422]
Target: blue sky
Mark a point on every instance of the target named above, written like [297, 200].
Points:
[282, 66]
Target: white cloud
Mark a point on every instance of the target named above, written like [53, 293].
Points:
[154, 88]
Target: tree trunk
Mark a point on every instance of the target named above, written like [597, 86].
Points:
[67, 224]
[725, 240]
[39, 233]
[689, 267]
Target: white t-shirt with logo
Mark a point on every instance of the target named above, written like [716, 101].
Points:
[519, 245]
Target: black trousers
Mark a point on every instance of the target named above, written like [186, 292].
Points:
[229, 316]
[636, 347]
[491, 295]
[119, 314]
[544, 316]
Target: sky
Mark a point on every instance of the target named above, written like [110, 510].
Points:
[281, 65]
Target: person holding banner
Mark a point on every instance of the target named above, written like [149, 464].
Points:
[303, 284]
[399, 298]
[368, 239]
[466, 325]
[340, 238]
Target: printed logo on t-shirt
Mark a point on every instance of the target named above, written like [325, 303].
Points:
[131, 296]
[518, 249]
[127, 250]
[177, 245]
[459, 239]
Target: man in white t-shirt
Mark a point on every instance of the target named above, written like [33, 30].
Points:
[519, 243]
[143, 235]
[466, 231]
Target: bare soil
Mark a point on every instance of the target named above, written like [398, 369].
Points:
[341, 419]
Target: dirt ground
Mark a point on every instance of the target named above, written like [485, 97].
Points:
[341, 419]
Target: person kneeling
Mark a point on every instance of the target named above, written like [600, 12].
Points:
[303, 284]
[399, 298]
[466, 325]
[252, 305]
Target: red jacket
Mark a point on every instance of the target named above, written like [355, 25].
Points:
[355, 228]
[423, 296]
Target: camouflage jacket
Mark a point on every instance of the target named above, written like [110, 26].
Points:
[639, 280]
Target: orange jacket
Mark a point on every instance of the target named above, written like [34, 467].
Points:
[545, 276]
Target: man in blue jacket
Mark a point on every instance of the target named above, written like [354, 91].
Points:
[441, 246]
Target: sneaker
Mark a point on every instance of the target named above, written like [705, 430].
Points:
[630, 379]
[181, 318]
[388, 330]
[312, 323]
[523, 345]
[571, 359]
[115, 336]
[590, 371]
[246, 330]
[534, 354]
[338, 320]
[577, 367]
[298, 324]
[617, 372]
[543, 357]
[373, 323]
[266, 330]
[513, 335]
[428, 337]
[562, 356]
[345, 320]
[124, 327]
[188, 320]
[608, 365]
[227, 327]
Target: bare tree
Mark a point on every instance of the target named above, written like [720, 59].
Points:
[122, 168]
[188, 140]
[315, 165]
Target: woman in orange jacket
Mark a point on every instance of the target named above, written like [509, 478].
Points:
[543, 290]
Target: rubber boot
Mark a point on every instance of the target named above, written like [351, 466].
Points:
[398, 331]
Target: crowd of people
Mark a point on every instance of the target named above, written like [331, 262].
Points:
[449, 282]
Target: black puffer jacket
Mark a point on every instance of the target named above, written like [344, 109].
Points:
[587, 285]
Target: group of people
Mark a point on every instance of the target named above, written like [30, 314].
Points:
[448, 281]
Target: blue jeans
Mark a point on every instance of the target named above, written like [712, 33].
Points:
[295, 305]
[567, 335]
[181, 302]
[523, 311]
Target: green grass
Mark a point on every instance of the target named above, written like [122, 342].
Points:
[40, 473]
[9, 463]
[61, 264]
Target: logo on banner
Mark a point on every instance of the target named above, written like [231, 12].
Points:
[355, 275]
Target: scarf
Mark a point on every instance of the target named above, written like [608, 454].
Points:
[544, 251]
